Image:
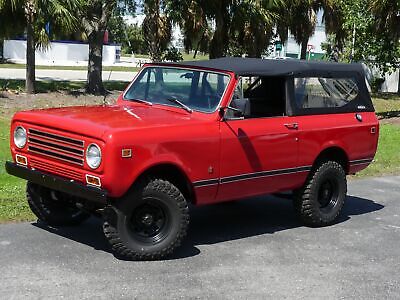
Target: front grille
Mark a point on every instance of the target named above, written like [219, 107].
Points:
[51, 168]
[56, 146]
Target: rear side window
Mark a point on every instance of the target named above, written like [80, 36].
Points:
[319, 92]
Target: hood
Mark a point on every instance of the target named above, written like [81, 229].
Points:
[95, 121]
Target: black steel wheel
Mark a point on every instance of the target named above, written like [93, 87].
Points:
[53, 207]
[320, 200]
[149, 222]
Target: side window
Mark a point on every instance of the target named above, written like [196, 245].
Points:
[314, 92]
[260, 97]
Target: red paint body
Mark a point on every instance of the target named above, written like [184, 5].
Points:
[201, 145]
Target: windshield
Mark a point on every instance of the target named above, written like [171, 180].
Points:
[195, 89]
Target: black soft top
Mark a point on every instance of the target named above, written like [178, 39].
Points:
[276, 67]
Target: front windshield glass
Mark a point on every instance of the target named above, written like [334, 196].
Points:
[198, 90]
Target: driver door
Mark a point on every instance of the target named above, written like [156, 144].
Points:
[259, 155]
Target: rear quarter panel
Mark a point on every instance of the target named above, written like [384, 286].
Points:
[357, 139]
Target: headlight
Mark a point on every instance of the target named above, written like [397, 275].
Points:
[93, 156]
[20, 137]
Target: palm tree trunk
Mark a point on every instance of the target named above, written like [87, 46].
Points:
[304, 44]
[30, 59]
[94, 77]
[398, 83]
[199, 43]
[218, 42]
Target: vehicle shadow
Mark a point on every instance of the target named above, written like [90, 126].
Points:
[222, 222]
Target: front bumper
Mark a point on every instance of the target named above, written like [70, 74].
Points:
[57, 183]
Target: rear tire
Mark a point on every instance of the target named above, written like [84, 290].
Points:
[148, 223]
[320, 200]
[53, 207]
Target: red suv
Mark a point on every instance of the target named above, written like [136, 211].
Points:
[201, 133]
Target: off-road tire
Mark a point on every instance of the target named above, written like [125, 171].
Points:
[307, 199]
[121, 234]
[50, 211]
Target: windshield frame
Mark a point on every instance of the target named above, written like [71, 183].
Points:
[182, 68]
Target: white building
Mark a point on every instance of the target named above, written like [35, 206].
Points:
[60, 53]
[293, 50]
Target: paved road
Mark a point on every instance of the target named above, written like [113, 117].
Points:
[251, 249]
[74, 75]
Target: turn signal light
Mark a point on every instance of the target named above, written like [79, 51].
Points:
[22, 160]
[93, 180]
[126, 153]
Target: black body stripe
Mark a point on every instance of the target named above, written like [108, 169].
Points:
[205, 182]
[361, 161]
[264, 174]
[251, 176]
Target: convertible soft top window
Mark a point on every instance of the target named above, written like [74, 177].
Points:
[180, 87]
[321, 92]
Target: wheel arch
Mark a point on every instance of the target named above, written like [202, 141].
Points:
[174, 174]
[334, 153]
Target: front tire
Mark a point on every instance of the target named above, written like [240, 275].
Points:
[149, 223]
[320, 200]
[52, 207]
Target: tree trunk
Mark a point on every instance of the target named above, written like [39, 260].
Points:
[94, 78]
[304, 44]
[30, 58]
[218, 43]
[199, 43]
[398, 83]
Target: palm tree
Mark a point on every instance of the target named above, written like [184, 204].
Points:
[34, 15]
[156, 29]
[303, 19]
[192, 18]
[387, 17]
[252, 24]
[245, 23]
[387, 23]
[8, 16]
[94, 16]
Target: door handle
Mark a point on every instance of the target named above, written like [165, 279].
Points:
[292, 125]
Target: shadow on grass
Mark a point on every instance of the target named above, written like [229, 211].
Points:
[386, 96]
[221, 222]
[46, 86]
[388, 114]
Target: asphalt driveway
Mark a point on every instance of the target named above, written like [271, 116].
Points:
[252, 249]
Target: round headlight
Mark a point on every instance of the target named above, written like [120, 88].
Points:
[20, 137]
[93, 156]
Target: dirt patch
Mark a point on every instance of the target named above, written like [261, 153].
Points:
[395, 121]
[11, 102]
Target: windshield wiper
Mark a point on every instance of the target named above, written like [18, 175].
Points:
[184, 106]
[141, 101]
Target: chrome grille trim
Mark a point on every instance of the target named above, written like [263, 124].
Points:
[56, 146]
[56, 137]
[34, 141]
[69, 159]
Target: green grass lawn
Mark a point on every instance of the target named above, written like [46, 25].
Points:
[54, 86]
[13, 206]
[76, 68]
[387, 159]
[387, 105]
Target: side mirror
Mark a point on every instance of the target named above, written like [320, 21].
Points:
[231, 113]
